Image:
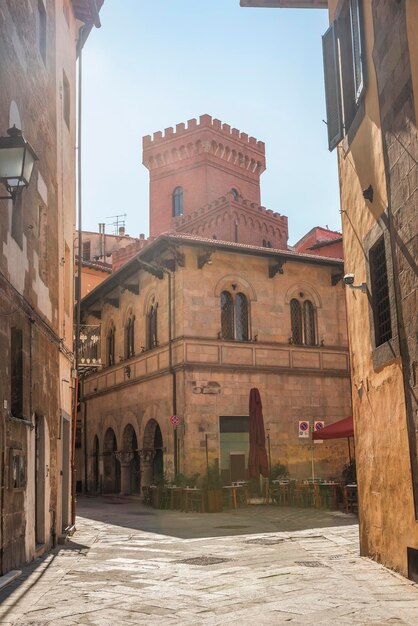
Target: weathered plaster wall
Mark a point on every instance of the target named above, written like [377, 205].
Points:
[387, 521]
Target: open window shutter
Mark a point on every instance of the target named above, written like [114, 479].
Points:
[332, 86]
[356, 36]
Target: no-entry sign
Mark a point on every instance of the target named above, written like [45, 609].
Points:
[318, 425]
[303, 429]
[175, 421]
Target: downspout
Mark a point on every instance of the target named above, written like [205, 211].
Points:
[78, 284]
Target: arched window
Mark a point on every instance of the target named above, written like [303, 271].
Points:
[309, 323]
[235, 193]
[110, 345]
[178, 202]
[241, 317]
[303, 322]
[234, 316]
[227, 315]
[296, 321]
[152, 340]
[130, 336]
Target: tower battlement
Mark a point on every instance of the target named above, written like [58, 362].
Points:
[204, 160]
[205, 121]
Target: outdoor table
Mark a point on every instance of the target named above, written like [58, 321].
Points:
[330, 491]
[175, 498]
[189, 496]
[232, 491]
[350, 493]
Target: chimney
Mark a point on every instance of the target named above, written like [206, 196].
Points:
[141, 236]
[121, 231]
[102, 248]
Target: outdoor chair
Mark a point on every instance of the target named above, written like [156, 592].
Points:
[146, 494]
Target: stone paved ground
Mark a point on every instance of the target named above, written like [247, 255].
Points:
[128, 565]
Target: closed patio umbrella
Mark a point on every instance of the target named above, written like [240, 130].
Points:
[257, 459]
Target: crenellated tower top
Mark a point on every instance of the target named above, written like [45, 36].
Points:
[202, 161]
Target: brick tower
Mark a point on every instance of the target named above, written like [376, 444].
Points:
[202, 162]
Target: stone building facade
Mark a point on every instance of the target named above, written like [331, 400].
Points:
[191, 323]
[374, 125]
[38, 40]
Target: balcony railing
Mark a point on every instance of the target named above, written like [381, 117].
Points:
[89, 349]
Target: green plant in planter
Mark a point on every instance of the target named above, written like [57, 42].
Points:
[278, 471]
[184, 480]
[349, 473]
[211, 483]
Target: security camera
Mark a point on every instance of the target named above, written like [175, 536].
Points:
[349, 281]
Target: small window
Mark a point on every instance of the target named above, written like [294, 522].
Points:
[296, 321]
[303, 322]
[66, 97]
[16, 368]
[241, 317]
[152, 337]
[41, 27]
[18, 469]
[111, 346]
[380, 293]
[234, 316]
[235, 193]
[309, 323]
[178, 202]
[227, 315]
[130, 337]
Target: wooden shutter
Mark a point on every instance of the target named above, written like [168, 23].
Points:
[332, 86]
[356, 36]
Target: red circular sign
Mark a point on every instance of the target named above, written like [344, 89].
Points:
[304, 425]
[175, 420]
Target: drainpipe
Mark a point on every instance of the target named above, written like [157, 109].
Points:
[79, 265]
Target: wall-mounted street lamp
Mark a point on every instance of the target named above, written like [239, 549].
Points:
[17, 158]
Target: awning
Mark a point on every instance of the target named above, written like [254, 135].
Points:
[339, 430]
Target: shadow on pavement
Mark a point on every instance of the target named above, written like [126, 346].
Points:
[39, 567]
[130, 512]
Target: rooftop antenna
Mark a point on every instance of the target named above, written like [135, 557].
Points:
[118, 223]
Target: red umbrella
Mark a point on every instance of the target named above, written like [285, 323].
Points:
[257, 459]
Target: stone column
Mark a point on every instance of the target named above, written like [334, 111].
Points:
[147, 458]
[125, 459]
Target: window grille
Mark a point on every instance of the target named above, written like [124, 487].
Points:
[309, 322]
[178, 202]
[130, 337]
[380, 293]
[111, 346]
[296, 321]
[241, 317]
[227, 315]
[152, 340]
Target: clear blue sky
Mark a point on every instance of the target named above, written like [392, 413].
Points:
[156, 63]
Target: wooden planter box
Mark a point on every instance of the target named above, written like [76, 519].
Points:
[213, 501]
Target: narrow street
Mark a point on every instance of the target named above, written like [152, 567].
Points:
[130, 564]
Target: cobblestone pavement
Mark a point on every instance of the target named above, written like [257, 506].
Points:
[128, 564]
